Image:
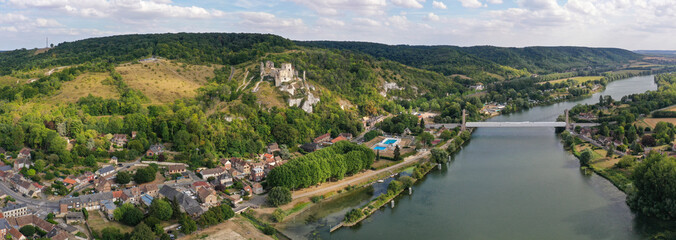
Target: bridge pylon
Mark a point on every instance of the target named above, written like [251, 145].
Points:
[567, 120]
[463, 127]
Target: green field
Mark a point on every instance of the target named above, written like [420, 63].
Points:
[577, 79]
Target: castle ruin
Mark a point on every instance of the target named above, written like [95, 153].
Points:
[281, 75]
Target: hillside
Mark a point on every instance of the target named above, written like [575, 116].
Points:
[478, 61]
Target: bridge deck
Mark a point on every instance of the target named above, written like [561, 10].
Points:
[515, 124]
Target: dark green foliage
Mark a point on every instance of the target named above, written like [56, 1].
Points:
[160, 209]
[586, 157]
[27, 230]
[123, 177]
[188, 225]
[397, 124]
[144, 175]
[397, 153]
[371, 135]
[216, 215]
[353, 215]
[128, 214]
[111, 233]
[279, 196]
[439, 156]
[341, 158]
[278, 215]
[407, 181]
[654, 182]
[142, 232]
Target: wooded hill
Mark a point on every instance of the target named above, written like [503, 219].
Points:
[478, 60]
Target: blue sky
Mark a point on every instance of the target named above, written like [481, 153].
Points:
[630, 24]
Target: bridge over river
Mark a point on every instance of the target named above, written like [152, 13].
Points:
[464, 124]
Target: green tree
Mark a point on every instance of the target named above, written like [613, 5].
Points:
[397, 153]
[426, 138]
[439, 156]
[446, 135]
[279, 196]
[123, 177]
[654, 182]
[111, 233]
[39, 165]
[188, 225]
[142, 232]
[586, 157]
[407, 181]
[160, 209]
[128, 214]
[144, 175]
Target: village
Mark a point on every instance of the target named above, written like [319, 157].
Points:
[57, 206]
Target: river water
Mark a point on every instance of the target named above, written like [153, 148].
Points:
[510, 183]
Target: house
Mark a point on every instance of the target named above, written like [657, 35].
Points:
[119, 140]
[113, 160]
[133, 134]
[226, 164]
[67, 228]
[25, 187]
[4, 227]
[74, 217]
[347, 136]
[103, 185]
[258, 188]
[69, 182]
[338, 139]
[237, 174]
[257, 174]
[213, 172]
[154, 150]
[105, 171]
[273, 147]
[323, 138]
[16, 234]
[146, 199]
[187, 204]
[310, 147]
[5, 168]
[22, 162]
[207, 196]
[108, 207]
[268, 158]
[86, 177]
[176, 168]
[407, 131]
[199, 184]
[225, 179]
[15, 210]
[131, 195]
[24, 153]
[150, 190]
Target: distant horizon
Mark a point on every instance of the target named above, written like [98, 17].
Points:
[502, 23]
[636, 50]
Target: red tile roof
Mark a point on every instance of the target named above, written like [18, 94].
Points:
[69, 181]
[338, 139]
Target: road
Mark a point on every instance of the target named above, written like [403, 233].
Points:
[31, 202]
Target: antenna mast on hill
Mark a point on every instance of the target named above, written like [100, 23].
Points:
[47, 43]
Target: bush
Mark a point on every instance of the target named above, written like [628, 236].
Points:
[316, 199]
[279, 196]
[353, 215]
[278, 215]
[625, 162]
[269, 230]
[27, 230]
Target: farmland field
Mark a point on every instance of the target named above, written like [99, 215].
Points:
[577, 79]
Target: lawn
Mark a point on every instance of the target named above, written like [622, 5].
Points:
[576, 79]
[97, 223]
[651, 122]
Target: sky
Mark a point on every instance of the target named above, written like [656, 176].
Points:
[629, 24]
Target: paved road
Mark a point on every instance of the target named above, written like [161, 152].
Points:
[31, 202]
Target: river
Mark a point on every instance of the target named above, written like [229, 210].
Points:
[511, 183]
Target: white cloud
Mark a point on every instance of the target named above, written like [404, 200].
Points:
[263, 20]
[138, 9]
[439, 5]
[367, 22]
[495, 1]
[338, 7]
[432, 17]
[471, 3]
[327, 22]
[408, 3]
[398, 21]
